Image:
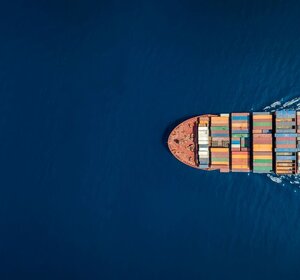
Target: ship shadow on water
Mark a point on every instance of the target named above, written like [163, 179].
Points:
[169, 128]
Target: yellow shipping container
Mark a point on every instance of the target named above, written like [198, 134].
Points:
[258, 117]
[224, 150]
[262, 149]
[219, 163]
[220, 121]
[219, 118]
[239, 156]
[239, 124]
[240, 127]
[284, 120]
[262, 157]
[240, 166]
[262, 146]
[284, 168]
[223, 122]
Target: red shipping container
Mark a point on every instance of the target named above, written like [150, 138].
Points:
[261, 141]
[219, 132]
[285, 138]
[263, 135]
[291, 146]
[263, 153]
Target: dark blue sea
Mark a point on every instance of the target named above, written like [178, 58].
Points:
[89, 92]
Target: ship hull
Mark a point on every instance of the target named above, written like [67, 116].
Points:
[262, 142]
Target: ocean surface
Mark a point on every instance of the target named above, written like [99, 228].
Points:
[89, 92]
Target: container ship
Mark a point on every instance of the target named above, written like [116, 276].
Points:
[259, 142]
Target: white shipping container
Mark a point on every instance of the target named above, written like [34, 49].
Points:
[202, 128]
[203, 136]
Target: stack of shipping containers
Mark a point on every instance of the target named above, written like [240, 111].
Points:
[240, 140]
[262, 142]
[203, 142]
[298, 141]
[286, 138]
[219, 127]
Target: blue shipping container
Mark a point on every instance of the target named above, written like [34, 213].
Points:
[240, 118]
[278, 158]
[290, 150]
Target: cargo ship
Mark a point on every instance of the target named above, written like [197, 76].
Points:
[259, 142]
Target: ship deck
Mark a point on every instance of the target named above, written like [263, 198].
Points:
[261, 142]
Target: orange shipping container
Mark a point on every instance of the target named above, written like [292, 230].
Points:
[257, 149]
[219, 149]
[283, 120]
[219, 118]
[240, 125]
[239, 156]
[262, 145]
[262, 157]
[284, 168]
[258, 117]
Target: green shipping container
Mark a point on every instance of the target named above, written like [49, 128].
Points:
[219, 127]
[239, 135]
[261, 168]
[263, 160]
[262, 124]
[220, 159]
